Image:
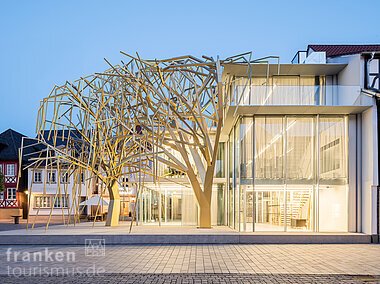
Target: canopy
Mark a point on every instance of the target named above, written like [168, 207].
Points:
[95, 200]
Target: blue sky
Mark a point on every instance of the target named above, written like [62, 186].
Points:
[44, 43]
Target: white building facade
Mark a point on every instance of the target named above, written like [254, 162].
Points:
[298, 152]
[302, 147]
[299, 149]
[54, 193]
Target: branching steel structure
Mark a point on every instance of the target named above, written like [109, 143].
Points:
[134, 116]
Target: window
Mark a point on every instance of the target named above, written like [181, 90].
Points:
[11, 169]
[38, 177]
[60, 202]
[124, 181]
[11, 194]
[65, 178]
[82, 177]
[1, 195]
[46, 201]
[1, 168]
[333, 156]
[52, 177]
[219, 167]
[42, 201]
[330, 156]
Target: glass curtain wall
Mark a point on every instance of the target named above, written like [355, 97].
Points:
[168, 204]
[236, 177]
[289, 174]
[230, 180]
[333, 176]
[171, 204]
[269, 174]
[299, 172]
[246, 174]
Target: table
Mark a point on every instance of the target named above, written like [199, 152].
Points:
[16, 219]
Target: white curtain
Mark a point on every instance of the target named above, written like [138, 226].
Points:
[269, 148]
[276, 90]
[299, 148]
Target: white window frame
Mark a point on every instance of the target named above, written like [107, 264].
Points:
[124, 182]
[50, 175]
[1, 168]
[34, 177]
[9, 173]
[41, 201]
[65, 178]
[13, 193]
[46, 201]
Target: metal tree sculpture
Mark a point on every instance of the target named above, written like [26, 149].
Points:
[134, 115]
[183, 111]
[86, 126]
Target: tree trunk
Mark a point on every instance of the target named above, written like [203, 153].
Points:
[204, 214]
[114, 205]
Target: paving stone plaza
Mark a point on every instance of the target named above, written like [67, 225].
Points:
[354, 263]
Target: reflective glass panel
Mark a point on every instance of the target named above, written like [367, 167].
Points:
[299, 149]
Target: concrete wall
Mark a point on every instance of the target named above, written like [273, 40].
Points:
[369, 170]
[353, 74]
[352, 173]
[365, 158]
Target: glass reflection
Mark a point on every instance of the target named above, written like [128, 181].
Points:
[288, 170]
[269, 157]
[299, 149]
[333, 189]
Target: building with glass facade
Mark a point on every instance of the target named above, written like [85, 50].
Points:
[298, 150]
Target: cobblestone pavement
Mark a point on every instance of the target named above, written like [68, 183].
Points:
[197, 278]
[192, 264]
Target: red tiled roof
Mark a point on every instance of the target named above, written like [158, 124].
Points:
[337, 50]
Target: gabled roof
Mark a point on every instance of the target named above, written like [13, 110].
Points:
[10, 142]
[343, 49]
[61, 137]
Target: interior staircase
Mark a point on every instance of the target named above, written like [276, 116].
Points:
[297, 208]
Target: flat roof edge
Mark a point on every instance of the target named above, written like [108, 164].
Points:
[235, 69]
